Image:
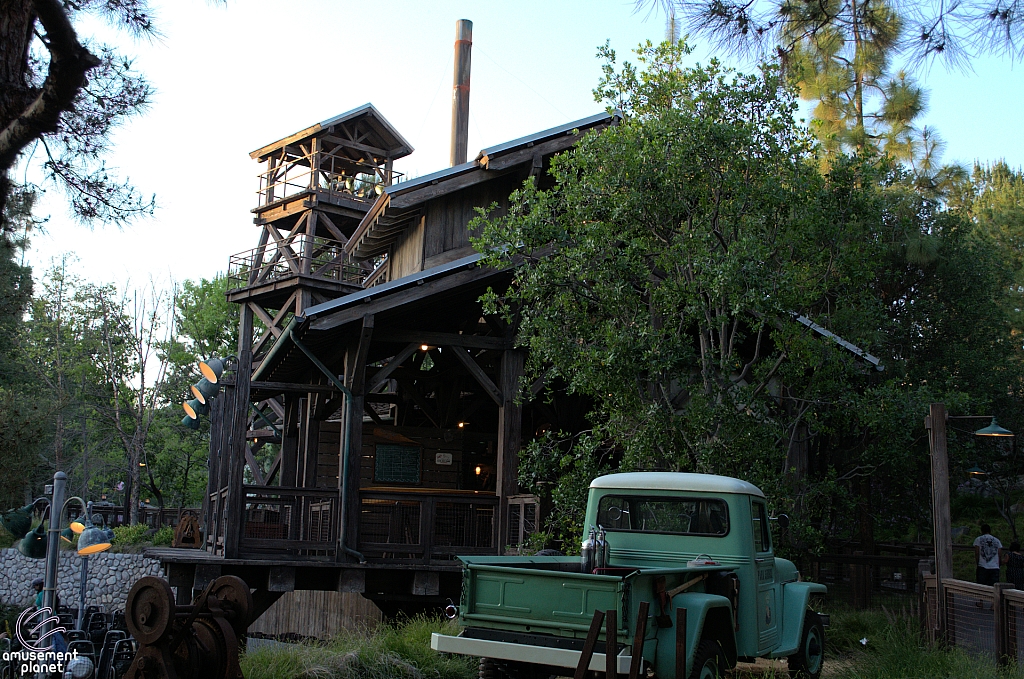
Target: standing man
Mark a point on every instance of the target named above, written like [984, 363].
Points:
[986, 549]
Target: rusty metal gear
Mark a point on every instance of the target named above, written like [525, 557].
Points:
[234, 597]
[149, 610]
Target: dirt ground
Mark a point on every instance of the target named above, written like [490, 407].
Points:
[777, 668]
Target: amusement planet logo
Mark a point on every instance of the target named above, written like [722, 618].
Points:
[38, 655]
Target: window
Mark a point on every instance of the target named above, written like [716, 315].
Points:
[680, 516]
[762, 536]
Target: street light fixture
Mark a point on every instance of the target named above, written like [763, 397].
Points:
[935, 423]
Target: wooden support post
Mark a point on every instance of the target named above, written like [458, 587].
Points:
[943, 538]
[636, 661]
[583, 666]
[999, 618]
[510, 421]
[290, 440]
[310, 443]
[611, 645]
[355, 380]
[234, 520]
[680, 642]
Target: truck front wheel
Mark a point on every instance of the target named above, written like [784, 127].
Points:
[807, 662]
[707, 662]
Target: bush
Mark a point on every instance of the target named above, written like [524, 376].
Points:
[387, 652]
[130, 535]
[164, 536]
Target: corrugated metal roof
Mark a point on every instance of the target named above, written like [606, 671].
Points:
[409, 281]
[448, 172]
[582, 123]
[399, 146]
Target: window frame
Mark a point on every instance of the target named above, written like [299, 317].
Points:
[668, 498]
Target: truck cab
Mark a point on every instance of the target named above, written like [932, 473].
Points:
[687, 565]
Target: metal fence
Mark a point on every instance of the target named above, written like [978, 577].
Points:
[983, 620]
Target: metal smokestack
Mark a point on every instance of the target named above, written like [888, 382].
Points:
[460, 91]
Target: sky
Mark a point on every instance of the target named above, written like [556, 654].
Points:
[232, 77]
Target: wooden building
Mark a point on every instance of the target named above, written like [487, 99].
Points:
[370, 431]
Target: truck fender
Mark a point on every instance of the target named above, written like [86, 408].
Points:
[795, 598]
[707, 616]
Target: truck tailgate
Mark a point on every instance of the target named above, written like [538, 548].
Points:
[537, 600]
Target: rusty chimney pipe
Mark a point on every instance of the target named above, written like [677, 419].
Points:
[460, 91]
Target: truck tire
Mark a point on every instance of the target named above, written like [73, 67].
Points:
[707, 663]
[807, 662]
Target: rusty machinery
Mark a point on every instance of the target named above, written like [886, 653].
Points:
[199, 641]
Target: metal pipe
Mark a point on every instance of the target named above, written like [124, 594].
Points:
[346, 446]
[60, 480]
[460, 91]
[81, 592]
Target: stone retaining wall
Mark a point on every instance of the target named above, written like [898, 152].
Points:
[110, 577]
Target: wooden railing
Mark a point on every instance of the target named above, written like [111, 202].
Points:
[424, 527]
[982, 620]
[286, 520]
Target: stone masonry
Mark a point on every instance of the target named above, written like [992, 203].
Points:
[110, 577]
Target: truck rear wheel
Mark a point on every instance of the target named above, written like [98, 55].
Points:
[707, 663]
[807, 662]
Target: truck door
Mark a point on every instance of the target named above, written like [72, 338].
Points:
[764, 562]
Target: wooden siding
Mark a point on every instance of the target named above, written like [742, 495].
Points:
[407, 252]
[316, 614]
[447, 217]
[432, 442]
[328, 455]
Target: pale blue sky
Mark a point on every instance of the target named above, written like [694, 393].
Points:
[231, 78]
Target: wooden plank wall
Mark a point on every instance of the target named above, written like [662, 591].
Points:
[447, 217]
[317, 614]
[433, 441]
[407, 252]
[328, 455]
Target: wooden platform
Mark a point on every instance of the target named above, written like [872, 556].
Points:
[391, 586]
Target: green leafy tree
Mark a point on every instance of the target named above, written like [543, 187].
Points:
[662, 277]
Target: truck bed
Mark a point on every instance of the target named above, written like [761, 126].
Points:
[549, 595]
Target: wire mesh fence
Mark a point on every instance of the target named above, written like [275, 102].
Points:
[986, 621]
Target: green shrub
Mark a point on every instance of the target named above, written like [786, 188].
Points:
[164, 536]
[386, 652]
[130, 535]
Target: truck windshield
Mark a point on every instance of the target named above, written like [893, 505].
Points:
[680, 516]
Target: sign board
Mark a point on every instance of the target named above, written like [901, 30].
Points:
[443, 459]
[396, 464]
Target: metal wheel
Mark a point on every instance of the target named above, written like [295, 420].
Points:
[707, 663]
[807, 662]
[234, 595]
[149, 610]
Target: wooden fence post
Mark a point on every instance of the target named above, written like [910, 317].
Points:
[999, 618]
[588, 646]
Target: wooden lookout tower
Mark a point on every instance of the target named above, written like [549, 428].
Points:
[371, 428]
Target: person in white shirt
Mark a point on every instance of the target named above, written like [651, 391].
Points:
[987, 548]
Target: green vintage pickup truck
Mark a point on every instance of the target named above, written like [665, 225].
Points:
[682, 572]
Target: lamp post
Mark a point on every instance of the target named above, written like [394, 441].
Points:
[935, 423]
[60, 480]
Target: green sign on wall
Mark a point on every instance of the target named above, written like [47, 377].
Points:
[397, 464]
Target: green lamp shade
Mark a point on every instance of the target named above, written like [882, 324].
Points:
[67, 535]
[993, 430]
[204, 389]
[93, 540]
[190, 422]
[34, 544]
[976, 471]
[212, 369]
[194, 408]
[77, 526]
[17, 522]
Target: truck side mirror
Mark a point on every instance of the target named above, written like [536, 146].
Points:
[783, 520]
